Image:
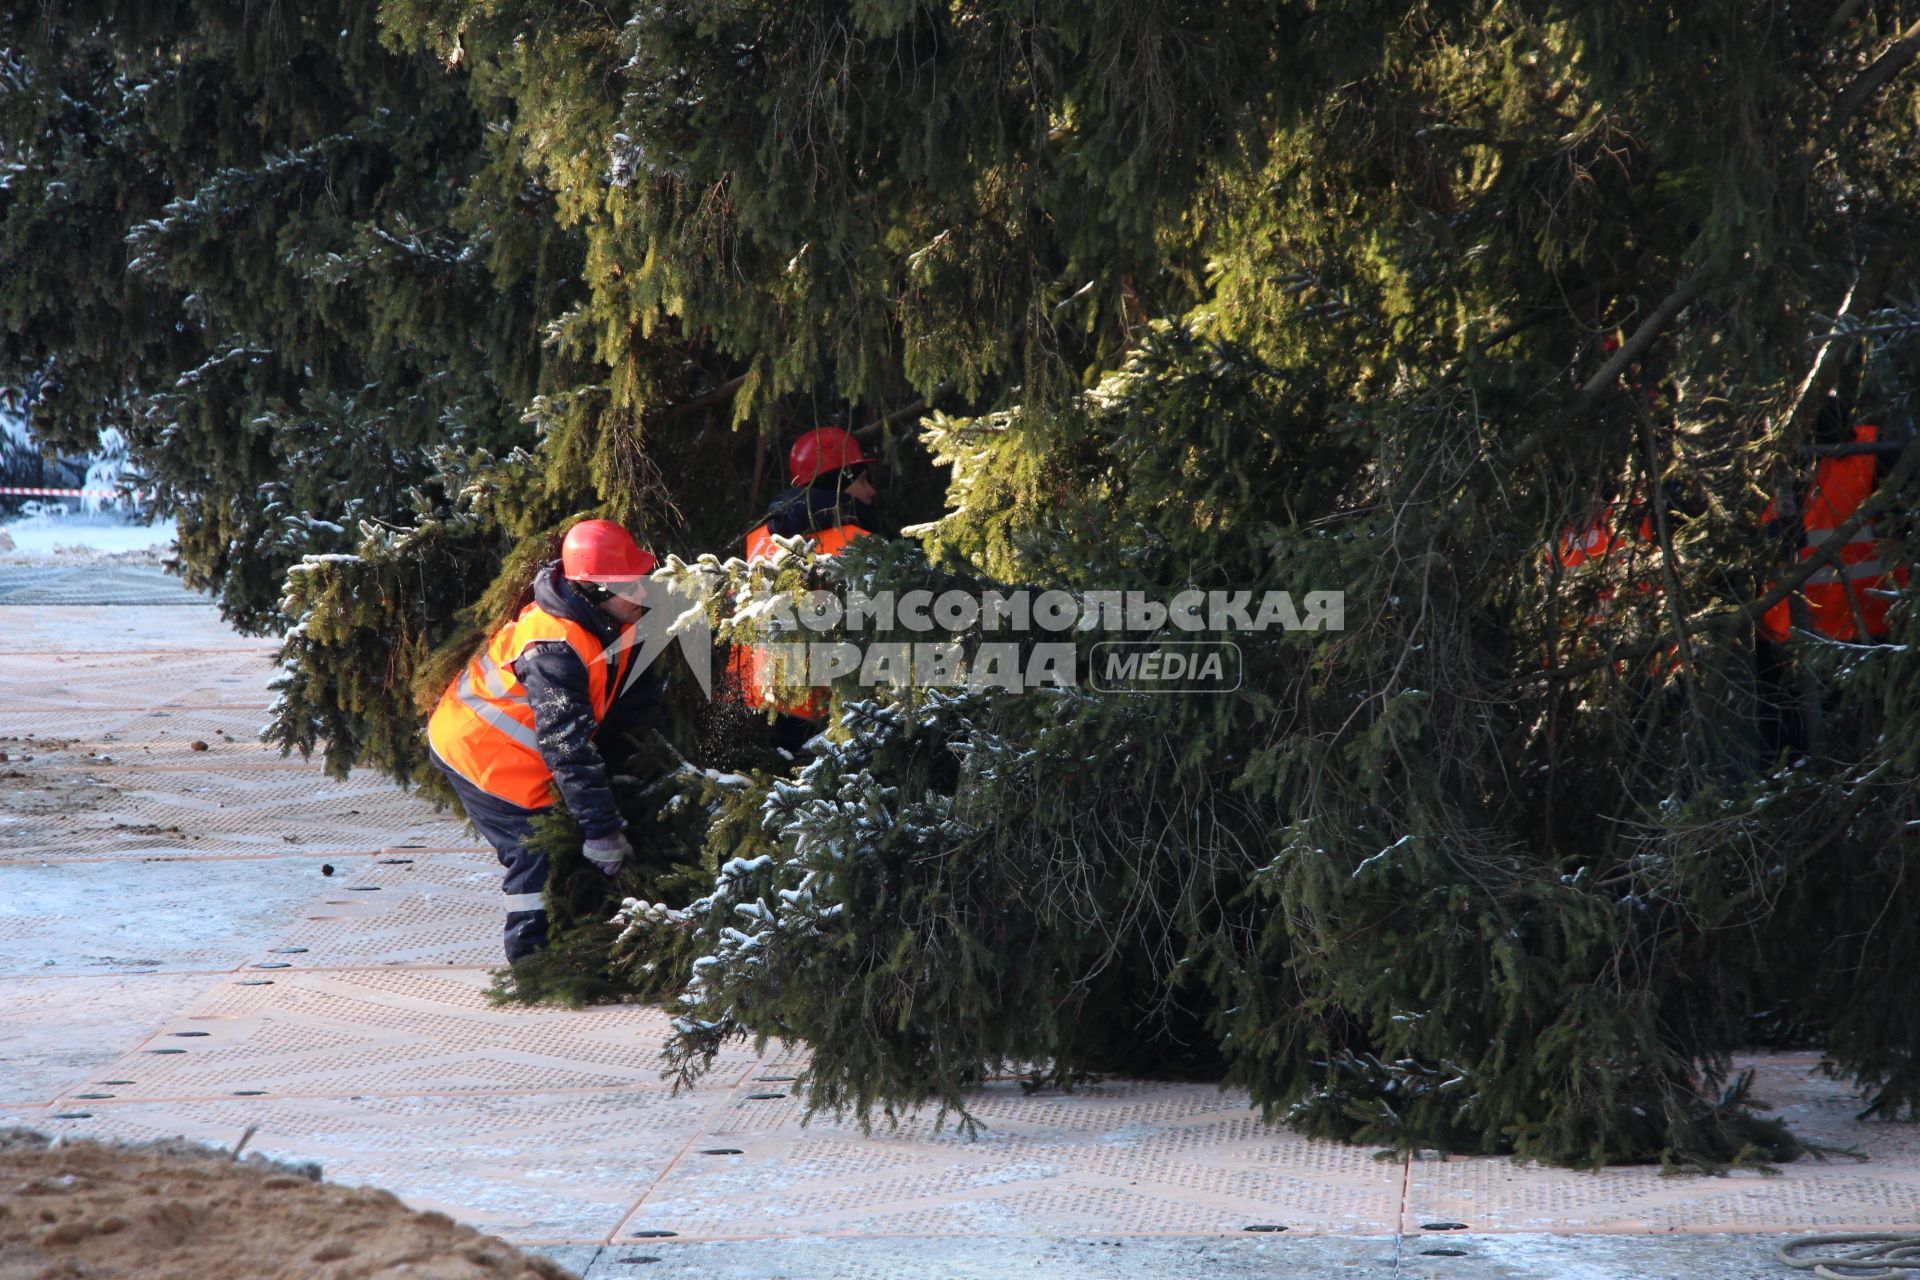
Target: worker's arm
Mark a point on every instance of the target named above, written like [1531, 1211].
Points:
[563, 725]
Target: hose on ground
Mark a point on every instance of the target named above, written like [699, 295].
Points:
[1854, 1255]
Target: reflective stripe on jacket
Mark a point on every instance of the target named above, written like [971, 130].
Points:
[484, 725]
[829, 542]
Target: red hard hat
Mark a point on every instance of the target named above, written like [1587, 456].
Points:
[602, 551]
[822, 450]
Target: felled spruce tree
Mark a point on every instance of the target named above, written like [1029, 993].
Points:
[1514, 862]
[1507, 864]
[966, 883]
[1365, 297]
[266, 249]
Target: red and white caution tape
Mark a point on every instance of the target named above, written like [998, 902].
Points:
[64, 493]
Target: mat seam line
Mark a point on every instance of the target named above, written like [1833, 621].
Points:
[706, 1120]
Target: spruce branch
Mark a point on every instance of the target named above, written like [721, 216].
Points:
[1630, 352]
[1889, 64]
[1669, 559]
[1862, 297]
[1636, 346]
[1751, 611]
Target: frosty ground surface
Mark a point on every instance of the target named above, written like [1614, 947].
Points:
[174, 959]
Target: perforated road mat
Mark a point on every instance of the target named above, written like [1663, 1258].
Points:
[522, 1130]
[178, 914]
[202, 941]
[333, 1033]
[110, 730]
[141, 755]
[125, 812]
[131, 681]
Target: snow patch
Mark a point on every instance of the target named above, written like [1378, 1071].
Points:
[87, 538]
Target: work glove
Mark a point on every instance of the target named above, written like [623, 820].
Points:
[607, 852]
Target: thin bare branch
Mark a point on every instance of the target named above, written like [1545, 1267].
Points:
[724, 391]
[918, 407]
[1751, 611]
[1889, 64]
[1862, 297]
[1631, 350]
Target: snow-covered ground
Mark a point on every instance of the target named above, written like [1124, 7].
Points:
[97, 521]
[82, 537]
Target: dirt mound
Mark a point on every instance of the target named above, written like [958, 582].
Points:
[90, 1211]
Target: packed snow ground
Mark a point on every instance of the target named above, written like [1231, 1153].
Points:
[80, 537]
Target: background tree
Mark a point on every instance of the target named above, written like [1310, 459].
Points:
[254, 240]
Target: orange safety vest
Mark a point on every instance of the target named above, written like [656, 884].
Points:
[1839, 595]
[483, 726]
[1597, 540]
[828, 542]
[751, 665]
[1591, 544]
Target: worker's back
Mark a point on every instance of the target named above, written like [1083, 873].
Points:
[830, 504]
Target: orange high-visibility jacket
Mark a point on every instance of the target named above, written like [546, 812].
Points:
[1596, 541]
[752, 667]
[483, 725]
[1841, 596]
[828, 542]
[1592, 544]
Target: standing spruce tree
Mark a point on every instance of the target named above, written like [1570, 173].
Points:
[312, 280]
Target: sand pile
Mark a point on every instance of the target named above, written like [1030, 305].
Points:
[89, 1211]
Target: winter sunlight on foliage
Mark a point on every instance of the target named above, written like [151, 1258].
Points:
[1575, 346]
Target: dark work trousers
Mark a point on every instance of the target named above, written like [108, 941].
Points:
[507, 827]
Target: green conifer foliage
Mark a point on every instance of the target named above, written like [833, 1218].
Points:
[1381, 299]
[966, 885]
[264, 247]
[1514, 862]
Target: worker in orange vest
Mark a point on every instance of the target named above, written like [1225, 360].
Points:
[1588, 547]
[516, 730]
[1847, 598]
[1598, 538]
[830, 502]
[1617, 540]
